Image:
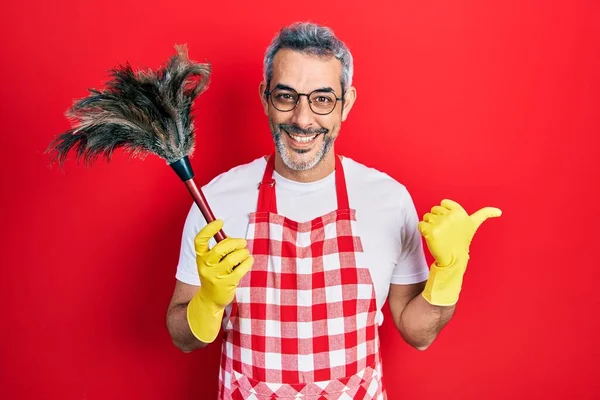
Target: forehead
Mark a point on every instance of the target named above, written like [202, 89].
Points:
[306, 72]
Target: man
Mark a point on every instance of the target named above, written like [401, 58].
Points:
[317, 242]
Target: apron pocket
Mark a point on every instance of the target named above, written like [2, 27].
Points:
[364, 385]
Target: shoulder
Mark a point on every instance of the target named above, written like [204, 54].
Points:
[373, 184]
[231, 196]
[238, 179]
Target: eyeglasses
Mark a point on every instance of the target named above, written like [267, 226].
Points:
[321, 102]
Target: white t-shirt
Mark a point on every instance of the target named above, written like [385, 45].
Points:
[386, 218]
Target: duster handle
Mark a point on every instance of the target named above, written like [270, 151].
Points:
[203, 205]
[183, 169]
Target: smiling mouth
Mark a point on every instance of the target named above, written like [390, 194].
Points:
[302, 139]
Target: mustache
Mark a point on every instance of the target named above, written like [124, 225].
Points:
[295, 129]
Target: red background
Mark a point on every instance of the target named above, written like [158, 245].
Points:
[487, 103]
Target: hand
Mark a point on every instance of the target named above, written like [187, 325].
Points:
[448, 230]
[222, 267]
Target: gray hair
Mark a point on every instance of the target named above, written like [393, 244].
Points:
[310, 38]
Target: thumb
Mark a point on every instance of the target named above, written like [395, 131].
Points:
[487, 212]
[203, 237]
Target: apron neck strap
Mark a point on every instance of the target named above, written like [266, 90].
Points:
[267, 200]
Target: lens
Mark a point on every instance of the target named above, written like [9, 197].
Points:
[322, 102]
[284, 100]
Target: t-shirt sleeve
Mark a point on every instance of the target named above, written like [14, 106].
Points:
[411, 266]
[187, 271]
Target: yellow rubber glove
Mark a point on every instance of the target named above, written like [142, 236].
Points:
[448, 231]
[218, 280]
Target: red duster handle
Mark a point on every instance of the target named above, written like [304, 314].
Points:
[203, 205]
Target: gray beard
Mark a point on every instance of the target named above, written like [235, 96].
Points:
[303, 165]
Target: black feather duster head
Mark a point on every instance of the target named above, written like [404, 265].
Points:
[143, 112]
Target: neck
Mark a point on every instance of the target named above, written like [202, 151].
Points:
[325, 167]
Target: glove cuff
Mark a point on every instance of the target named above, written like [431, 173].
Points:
[204, 319]
[444, 283]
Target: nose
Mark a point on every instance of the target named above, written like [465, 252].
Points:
[302, 115]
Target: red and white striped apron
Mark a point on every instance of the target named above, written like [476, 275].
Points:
[302, 324]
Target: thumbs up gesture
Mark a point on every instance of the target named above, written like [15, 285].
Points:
[448, 230]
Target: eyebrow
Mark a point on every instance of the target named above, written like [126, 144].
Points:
[286, 87]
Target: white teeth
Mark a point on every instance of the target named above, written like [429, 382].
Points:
[302, 139]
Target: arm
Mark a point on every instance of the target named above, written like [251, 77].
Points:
[418, 321]
[195, 314]
[420, 311]
[177, 322]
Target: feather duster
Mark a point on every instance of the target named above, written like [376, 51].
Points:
[144, 112]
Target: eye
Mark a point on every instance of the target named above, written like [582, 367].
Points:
[323, 99]
[285, 97]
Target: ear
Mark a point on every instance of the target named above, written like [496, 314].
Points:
[263, 98]
[349, 99]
